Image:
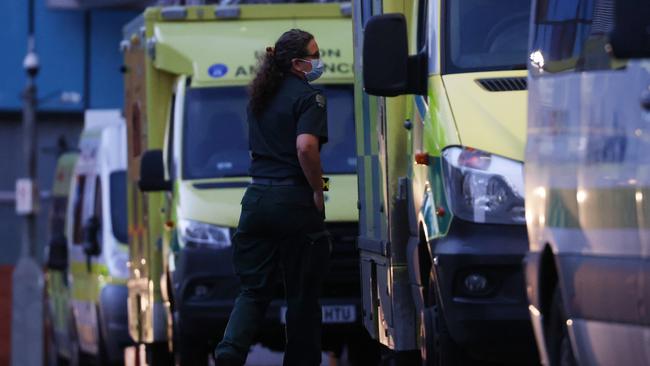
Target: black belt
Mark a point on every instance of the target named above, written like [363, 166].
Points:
[280, 181]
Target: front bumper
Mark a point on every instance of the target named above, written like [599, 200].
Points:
[114, 318]
[493, 323]
[205, 289]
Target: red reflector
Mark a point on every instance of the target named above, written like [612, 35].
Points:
[422, 158]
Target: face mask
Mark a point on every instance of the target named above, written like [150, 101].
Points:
[317, 68]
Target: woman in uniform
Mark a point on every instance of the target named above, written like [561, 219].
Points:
[281, 228]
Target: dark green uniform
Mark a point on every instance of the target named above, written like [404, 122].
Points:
[280, 230]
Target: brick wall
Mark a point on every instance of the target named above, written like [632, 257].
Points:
[5, 314]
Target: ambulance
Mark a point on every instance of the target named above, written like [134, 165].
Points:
[587, 181]
[87, 259]
[187, 70]
[441, 126]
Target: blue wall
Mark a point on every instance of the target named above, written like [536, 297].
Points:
[61, 46]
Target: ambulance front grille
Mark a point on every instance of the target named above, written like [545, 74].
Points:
[503, 84]
[343, 278]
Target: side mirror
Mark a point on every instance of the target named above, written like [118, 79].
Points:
[152, 172]
[388, 70]
[631, 36]
[92, 237]
[57, 256]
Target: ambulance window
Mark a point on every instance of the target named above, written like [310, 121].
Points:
[481, 35]
[171, 168]
[77, 209]
[215, 133]
[423, 24]
[339, 154]
[98, 199]
[571, 35]
[118, 205]
[136, 128]
[57, 215]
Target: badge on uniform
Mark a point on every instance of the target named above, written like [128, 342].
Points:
[326, 184]
[320, 99]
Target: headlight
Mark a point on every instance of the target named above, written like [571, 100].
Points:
[484, 188]
[117, 259]
[194, 233]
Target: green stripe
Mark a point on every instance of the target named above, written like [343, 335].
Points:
[601, 208]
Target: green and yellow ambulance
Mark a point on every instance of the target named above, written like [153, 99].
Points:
[87, 259]
[187, 69]
[441, 127]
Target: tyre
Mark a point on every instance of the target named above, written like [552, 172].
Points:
[158, 354]
[556, 333]
[363, 350]
[51, 350]
[189, 353]
[436, 346]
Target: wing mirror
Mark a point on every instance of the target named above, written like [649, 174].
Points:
[388, 70]
[631, 36]
[57, 256]
[92, 237]
[152, 172]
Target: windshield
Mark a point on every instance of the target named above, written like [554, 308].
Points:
[486, 35]
[215, 135]
[118, 205]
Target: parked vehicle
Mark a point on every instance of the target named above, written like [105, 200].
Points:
[187, 72]
[442, 227]
[87, 259]
[587, 180]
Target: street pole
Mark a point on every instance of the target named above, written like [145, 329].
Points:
[27, 313]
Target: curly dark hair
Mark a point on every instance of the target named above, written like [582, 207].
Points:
[273, 66]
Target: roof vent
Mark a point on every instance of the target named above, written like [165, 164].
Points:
[173, 13]
[346, 9]
[503, 84]
[227, 11]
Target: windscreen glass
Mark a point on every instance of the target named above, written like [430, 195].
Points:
[486, 35]
[215, 133]
[118, 205]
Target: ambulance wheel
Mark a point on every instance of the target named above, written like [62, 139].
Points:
[188, 351]
[158, 354]
[191, 354]
[558, 343]
[52, 352]
[436, 346]
[76, 358]
[363, 350]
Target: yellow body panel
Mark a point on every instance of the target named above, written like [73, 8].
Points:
[486, 120]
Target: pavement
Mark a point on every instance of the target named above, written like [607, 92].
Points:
[258, 356]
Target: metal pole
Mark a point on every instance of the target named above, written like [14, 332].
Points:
[27, 313]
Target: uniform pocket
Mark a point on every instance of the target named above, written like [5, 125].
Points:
[251, 197]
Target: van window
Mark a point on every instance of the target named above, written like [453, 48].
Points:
[77, 210]
[215, 132]
[117, 181]
[572, 34]
[98, 206]
[57, 215]
[484, 35]
[171, 169]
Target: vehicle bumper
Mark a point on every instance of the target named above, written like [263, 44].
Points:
[203, 313]
[493, 323]
[205, 288]
[114, 317]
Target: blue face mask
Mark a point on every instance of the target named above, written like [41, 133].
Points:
[317, 68]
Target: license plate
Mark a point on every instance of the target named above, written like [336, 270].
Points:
[332, 314]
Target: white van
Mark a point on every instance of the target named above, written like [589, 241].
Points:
[96, 232]
[588, 181]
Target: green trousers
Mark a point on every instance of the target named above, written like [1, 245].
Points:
[280, 232]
